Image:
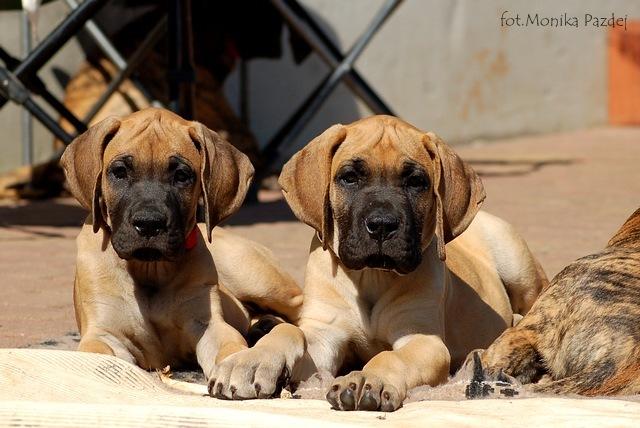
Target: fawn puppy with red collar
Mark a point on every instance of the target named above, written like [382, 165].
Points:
[405, 274]
[152, 285]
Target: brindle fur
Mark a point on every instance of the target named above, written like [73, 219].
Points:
[583, 332]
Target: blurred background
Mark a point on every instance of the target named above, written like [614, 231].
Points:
[545, 111]
[447, 66]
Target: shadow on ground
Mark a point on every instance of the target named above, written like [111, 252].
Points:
[262, 212]
[515, 167]
[49, 212]
[61, 213]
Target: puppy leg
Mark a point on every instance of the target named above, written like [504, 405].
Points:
[607, 378]
[286, 351]
[233, 370]
[217, 342]
[100, 342]
[520, 272]
[573, 384]
[385, 379]
[579, 383]
[95, 347]
[515, 354]
[261, 281]
[209, 333]
[259, 371]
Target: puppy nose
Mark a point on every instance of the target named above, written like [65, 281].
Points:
[149, 224]
[381, 226]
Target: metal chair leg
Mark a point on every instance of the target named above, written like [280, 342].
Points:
[12, 89]
[135, 59]
[26, 118]
[58, 37]
[308, 29]
[111, 52]
[181, 74]
[27, 69]
[312, 104]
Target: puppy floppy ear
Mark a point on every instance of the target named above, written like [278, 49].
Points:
[305, 180]
[225, 175]
[82, 164]
[458, 192]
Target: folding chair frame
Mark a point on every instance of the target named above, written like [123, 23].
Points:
[15, 84]
[11, 82]
[341, 70]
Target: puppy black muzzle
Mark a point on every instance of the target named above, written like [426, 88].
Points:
[380, 233]
[381, 225]
[151, 227]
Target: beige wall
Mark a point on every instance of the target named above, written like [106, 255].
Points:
[448, 66]
[444, 65]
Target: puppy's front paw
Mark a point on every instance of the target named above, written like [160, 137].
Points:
[360, 390]
[250, 373]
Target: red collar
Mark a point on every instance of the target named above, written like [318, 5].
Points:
[192, 239]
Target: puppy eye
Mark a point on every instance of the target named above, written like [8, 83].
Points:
[119, 171]
[417, 182]
[349, 178]
[182, 177]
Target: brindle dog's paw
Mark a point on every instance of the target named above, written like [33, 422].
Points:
[360, 390]
[485, 381]
[248, 374]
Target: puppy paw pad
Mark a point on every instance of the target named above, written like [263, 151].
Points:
[348, 399]
[368, 402]
[332, 397]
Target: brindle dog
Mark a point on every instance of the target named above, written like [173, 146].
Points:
[583, 333]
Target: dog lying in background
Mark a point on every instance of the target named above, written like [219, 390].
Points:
[148, 288]
[582, 335]
[390, 204]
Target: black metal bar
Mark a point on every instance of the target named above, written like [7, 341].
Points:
[27, 69]
[270, 150]
[12, 89]
[47, 121]
[354, 80]
[111, 52]
[173, 30]
[298, 17]
[58, 37]
[38, 87]
[101, 40]
[27, 119]
[302, 13]
[244, 92]
[181, 73]
[62, 110]
[313, 102]
[135, 59]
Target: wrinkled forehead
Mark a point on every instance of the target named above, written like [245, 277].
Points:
[153, 140]
[383, 146]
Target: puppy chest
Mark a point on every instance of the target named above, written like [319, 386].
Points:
[165, 325]
[371, 337]
[367, 349]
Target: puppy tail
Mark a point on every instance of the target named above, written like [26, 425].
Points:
[623, 382]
